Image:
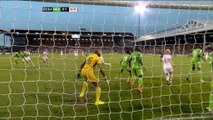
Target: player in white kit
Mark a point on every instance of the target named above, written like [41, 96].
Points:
[27, 58]
[44, 56]
[168, 66]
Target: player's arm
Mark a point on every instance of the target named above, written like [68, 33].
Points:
[102, 72]
[171, 62]
[121, 60]
[141, 62]
[82, 65]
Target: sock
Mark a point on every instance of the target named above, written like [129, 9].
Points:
[133, 79]
[201, 75]
[140, 81]
[84, 87]
[98, 93]
[167, 77]
[189, 74]
[171, 77]
[211, 101]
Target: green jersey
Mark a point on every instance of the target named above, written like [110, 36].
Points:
[18, 55]
[136, 60]
[196, 55]
[125, 61]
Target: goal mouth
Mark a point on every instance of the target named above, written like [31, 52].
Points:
[151, 59]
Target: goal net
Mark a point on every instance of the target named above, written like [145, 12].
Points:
[44, 43]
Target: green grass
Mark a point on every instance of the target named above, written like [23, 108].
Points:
[51, 91]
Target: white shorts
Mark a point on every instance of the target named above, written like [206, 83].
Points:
[45, 58]
[27, 58]
[168, 69]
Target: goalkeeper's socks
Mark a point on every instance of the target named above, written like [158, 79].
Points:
[210, 108]
[139, 90]
[167, 78]
[140, 81]
[84, 88]
[201, 76]
[98, 94]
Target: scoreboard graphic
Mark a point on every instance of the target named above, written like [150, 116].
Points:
[59, 9]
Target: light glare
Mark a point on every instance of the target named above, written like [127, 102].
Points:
[140, 8]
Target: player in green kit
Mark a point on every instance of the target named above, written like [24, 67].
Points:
[137, 68]
[197, 56]
[126, 64]
[210, 107]
[18, 56]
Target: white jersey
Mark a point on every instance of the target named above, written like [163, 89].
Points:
[166, 60]
[167, 66]
[27, 56]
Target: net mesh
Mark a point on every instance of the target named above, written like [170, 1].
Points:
[50, 90]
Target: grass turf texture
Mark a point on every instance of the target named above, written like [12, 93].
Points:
[52, 91]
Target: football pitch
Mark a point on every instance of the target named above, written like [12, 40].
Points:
[51, 91]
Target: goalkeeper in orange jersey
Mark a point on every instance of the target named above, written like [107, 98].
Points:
[87, 72]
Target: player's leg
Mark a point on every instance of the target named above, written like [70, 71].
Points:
[191, 70]
[16, 60]
[130, 76]
[210, 107]
[98, 93]
[166, 72]
[198, 66]
[43, 59]
[26, 61]
[85, 84]
[122, 69]
[134, 77]
[32, 63]
[94, 81]
[171, 77]
[140, 79]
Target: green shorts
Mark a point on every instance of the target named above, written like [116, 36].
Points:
[138, 72]
[124, 67]
[196, 65]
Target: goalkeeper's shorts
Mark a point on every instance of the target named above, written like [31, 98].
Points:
[89, 75]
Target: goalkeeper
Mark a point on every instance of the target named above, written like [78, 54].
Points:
[126, 64]
[197, 55]
[137, 68]
[87, 72]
